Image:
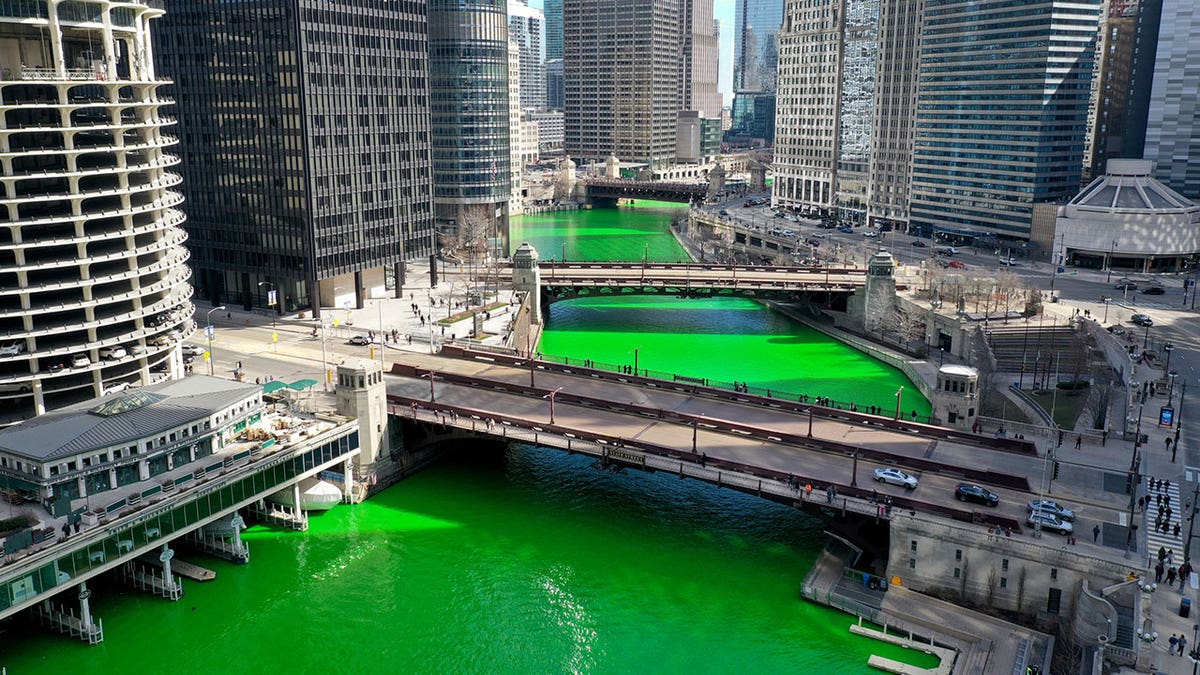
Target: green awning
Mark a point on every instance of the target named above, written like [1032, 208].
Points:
[273, 386]
[300, 385]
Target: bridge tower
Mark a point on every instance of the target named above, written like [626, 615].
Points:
[868, 306]
[612, 167]
[362, 394]
[528, 278]
[956, 399]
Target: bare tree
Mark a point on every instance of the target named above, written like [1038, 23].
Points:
[907, 322]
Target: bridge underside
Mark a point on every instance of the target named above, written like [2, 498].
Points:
[831, 300]
[600, 196]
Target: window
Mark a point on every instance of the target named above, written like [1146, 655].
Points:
[1003, 582]
[1054, 574]
[957, 572]
[1004, 564]
[912, 563]
[913, 545]
[958, 555]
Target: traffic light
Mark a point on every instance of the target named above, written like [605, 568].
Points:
[1055, 476]
[1129, 484]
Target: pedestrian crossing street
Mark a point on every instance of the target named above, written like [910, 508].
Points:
[1168, 496]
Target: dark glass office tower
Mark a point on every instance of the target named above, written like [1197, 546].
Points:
[305, 135]
[755, 66]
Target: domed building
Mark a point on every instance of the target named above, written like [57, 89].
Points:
[94, 292]
[1126, 220]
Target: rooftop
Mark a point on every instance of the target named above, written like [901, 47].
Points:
[121, 418]
[1128, 186]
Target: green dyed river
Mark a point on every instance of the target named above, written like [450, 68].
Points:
[529, 561]
[536, 563]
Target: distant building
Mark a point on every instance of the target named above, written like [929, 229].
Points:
[965, 184]
[526, 26]
[1121, 86]
[553, 11]
[894, 110]
[549, 131]
[755, 66]
[515, 204]
[1173, 126]
[554, 84]
[305, 138]
[94, 289]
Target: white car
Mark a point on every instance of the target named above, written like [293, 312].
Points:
[895, 477]
[80, 361]
[190, 349]
[16, 388]
[116, 388]
[1009, 262]
[870, 234]
[12, 349]
[137, 349]
[112, 353]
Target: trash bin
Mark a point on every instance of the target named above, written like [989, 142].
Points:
[1185, 607]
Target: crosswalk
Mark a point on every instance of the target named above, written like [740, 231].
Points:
[1166, 494]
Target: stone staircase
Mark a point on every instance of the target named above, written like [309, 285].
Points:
[1042, 349]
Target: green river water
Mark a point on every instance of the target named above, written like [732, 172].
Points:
[525, 561]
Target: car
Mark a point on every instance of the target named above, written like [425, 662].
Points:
[1009, 262]
[160, 340]
[967, 492]
[188, 359]
[1141, 320]
[1154, 290]
[12, 348]
[919, 244]
[359, 340]
[813, 242]
[1116, 330]
[116, 388]
[946, 250]
[789, 233]
[190, 349]
[1126, 286]
[845, 230]
[957, 264]
[112, 353]
[1052, 507]
[870, 234]
[1048, 521]
[895, 477]
[885, 227]
[819, 235]
[137, 349]
[55, 367]
[16, 388]
[80, 361]
[161, 366]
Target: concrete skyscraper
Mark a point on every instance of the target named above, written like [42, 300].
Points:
[526, 26]
[824, 107]
[755, 63]
[895, 107]
[305, 136]
[994, 135]
[468, 92]
[1173, 127]
[1121, 85]
[621, 62]
[93, 275]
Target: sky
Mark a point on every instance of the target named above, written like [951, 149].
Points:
[723, 11]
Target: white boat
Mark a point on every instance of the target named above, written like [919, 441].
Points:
[315, 495]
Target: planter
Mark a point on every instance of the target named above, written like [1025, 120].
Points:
[89, 518]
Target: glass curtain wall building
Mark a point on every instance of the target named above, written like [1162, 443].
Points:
[1174, 119]
[526, 26]
[755, 63]
[305, 135]
[1002, 108]
[94, 292]
[468, 88]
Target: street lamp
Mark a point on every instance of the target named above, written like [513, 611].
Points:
[899, 398]
[1171, 387]
[208, 333]
[1168, 348]
[551, 396]
[271, 302]
[1111, 250]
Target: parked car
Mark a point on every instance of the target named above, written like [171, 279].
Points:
[1141, 320]
[137, 349]
[966, 492]
[1052, 507]
[1154, 290]
[12, 348]
[957, 264]
[80, 361]
[919, 244]
[870, 234]
[116, 388]
[1049, 521]
[190, 349]
[359, 340]
[55, 366]
[112, 353]
[159, 340]
[15, 388]
[1126, 286]
[161, 366]
[1009, 262]
[895, 477]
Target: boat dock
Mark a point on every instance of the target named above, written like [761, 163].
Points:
[183, 568]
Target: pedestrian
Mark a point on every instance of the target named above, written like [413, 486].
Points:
[1158, 500]
[1183, 574]
[1158, 523]
[1182, 643]
[1162, 550]
[1168, 516]
[1167, 501]
[1174, 641]
[1170, 557]
[1158, 572]
[1141, 503]
[1096, 533]
[1078, 441]
[239, 365]
[1170, 576]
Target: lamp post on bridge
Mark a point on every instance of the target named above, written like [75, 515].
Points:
[431, 375]
[899, 398]
[208, 333]
[854, 469]
[554, 393]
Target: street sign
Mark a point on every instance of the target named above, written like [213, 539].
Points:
[271, 295]
[1166, 416]
[209, 330]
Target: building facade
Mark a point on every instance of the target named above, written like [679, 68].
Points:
[553, 11]
[1121, 83]
[994, 137]
[305, 137]
[699, 63]
[550, 130]
[755, 65]
[94, 291]
[468, 91]
[1174, 117]
[514, 123]
[526, 26]
[554, 84]
[827, 56]
[621, 79]
[894, 110]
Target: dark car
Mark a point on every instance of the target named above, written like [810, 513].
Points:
[1154, 290]
[965, 492]
[845, 230]
[1126, 286]
[919, 244]
[55, 367]
[1141, 320]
